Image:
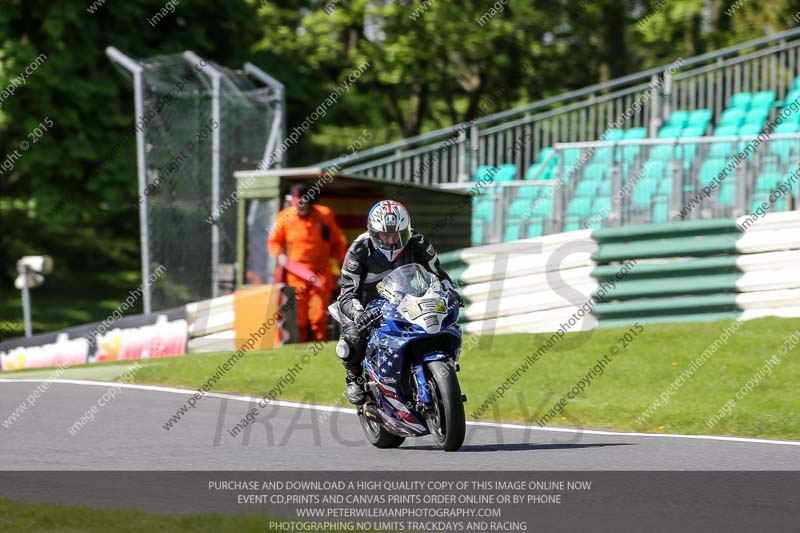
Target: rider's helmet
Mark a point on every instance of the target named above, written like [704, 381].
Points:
[389, 227]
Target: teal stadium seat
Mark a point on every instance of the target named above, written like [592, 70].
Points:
[784, 148]
[635, 134]
[732, 117]
[506, 173]
[511, 233]
[660, 212]
[544, 153]
[723, 149]
[678, 119]
[519, 208]
[613, 135]
[669, 132]
[535, 228]
[477, 232]
[529, 193]
[763, 100]
[796, 84]
[756, 116]
[726, 192]
[586, 188]
[596, 172]
[545, 173]
[767, 182]
[711, 169]
[741, 101]
[700, 118]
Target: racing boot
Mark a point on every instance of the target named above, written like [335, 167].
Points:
[355, 392]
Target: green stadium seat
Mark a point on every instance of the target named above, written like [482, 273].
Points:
[741, 101]
[763, 99]
[635, 134]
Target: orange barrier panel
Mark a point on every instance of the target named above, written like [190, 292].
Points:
[258, 325]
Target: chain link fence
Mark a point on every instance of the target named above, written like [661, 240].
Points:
[197, 123]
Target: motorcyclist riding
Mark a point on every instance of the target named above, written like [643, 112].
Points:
[388, 243]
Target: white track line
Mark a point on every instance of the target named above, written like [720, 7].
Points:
[330, 408]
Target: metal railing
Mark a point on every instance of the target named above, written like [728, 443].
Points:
[644, 99]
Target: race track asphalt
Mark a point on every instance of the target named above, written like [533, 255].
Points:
[128, 434]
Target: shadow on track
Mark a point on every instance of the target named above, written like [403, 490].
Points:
[519, 446]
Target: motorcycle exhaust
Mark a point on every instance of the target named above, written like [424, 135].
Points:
[369, 409]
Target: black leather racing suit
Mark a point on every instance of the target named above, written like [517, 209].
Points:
[363, 268]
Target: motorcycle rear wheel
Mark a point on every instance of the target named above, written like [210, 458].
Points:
[446, 421]
[377, 435]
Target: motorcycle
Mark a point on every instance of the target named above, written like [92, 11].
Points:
[411, 362]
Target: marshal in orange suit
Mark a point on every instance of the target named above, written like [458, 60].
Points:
[307, 234]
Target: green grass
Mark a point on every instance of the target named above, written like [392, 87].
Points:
[46, 518]
[631, 382]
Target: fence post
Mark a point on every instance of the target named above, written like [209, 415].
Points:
[463, 156]
[616, 188]
[141, 161]
[475, 146]
[216, 117]
[655, 108]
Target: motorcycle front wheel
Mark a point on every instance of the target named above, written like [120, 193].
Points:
[446, 419]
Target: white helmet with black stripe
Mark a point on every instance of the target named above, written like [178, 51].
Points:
[389, 227]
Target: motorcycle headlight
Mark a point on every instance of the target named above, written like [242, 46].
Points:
[428, 305]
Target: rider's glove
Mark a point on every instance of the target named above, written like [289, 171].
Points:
[366, 318]
[454, 298]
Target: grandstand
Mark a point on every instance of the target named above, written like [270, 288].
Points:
[712, 136]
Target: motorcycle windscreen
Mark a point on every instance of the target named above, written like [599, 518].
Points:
[410, 279]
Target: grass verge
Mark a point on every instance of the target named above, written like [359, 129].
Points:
[46, 518]
[630, 383]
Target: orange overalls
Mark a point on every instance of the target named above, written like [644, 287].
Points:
[312, 241]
